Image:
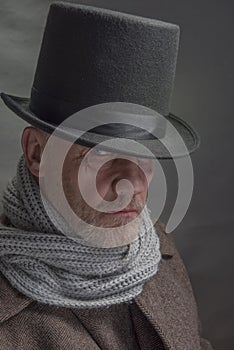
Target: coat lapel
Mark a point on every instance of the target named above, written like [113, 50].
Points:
[11, 301]
[111, 327]
[167, 302]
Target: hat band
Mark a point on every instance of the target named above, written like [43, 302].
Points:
[111, 122]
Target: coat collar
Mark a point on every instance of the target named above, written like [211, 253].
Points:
[12, 301]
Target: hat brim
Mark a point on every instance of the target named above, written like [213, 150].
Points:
[20, 106]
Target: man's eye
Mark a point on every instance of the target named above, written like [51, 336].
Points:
[98, 157]
[100, 152]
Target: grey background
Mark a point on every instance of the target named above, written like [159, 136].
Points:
[203, 95]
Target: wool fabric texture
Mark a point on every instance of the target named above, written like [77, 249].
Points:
[44, 264]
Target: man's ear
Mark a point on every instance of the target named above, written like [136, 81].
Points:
[33, 142]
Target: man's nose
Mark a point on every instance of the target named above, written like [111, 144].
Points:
[129, 170]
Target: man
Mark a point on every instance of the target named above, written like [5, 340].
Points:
[96, 276]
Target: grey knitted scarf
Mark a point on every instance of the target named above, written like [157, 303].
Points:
[44, 264]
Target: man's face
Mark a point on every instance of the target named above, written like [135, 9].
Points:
[102, 170]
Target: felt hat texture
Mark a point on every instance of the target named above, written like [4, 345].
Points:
[91, 56]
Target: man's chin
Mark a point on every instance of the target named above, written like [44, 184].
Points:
[122, 232]
[110, 222]
[107, 220]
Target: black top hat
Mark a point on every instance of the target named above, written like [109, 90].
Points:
[90, 56]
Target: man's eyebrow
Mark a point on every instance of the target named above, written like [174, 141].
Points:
[82, 153]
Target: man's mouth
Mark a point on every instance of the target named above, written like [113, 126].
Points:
[125, 213]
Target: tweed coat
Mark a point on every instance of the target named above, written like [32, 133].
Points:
[163, 316]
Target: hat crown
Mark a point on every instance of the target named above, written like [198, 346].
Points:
[91, 55]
